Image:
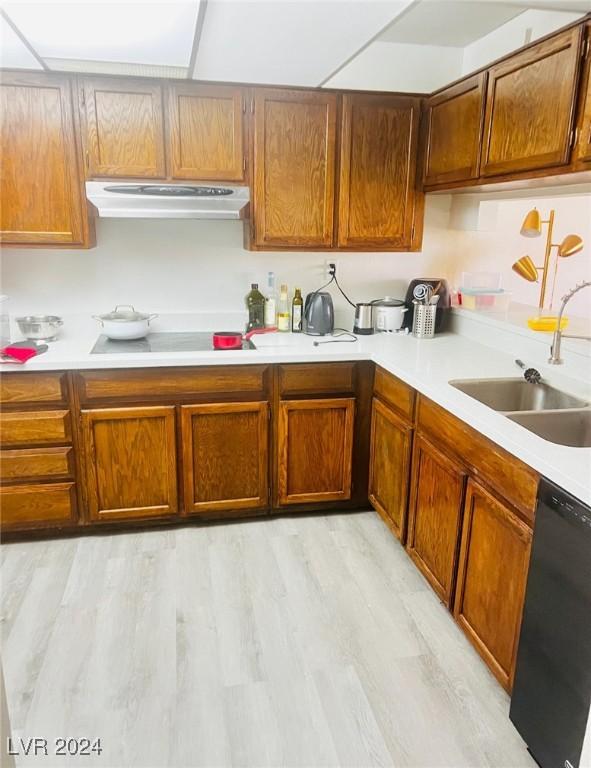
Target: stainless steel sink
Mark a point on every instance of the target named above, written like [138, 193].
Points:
[563, 427]
[509, 395]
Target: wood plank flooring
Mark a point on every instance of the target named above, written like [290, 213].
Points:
[305, 641]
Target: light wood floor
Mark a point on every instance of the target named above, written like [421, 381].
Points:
[309, 641]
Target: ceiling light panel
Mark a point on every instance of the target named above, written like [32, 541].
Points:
[157, 33]
[13, 52]
[291, 42]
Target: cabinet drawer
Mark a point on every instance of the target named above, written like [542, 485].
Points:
[26, 506]
[395, 392]
[158, 383]
[35, 427]
[36, 463]
[509, 476]
[32, 388]
[316, 378]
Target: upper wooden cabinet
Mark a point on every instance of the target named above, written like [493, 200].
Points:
[389, 466]
[130, 462]
[378, 171]
[124, 127]
[315, 450]
[294, 168]
[582, 151]
[530, 105]
[492, 575]
[206, 132]
[225, 456]
[41, 187]
[453, 131]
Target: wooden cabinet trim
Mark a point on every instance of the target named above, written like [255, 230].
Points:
[261, 500]
[95, 129]
[475, 83]
[36, 463]
[507, 518]
[287, 406]
[91, 417]
[236, 171]
[582, 150]
[35, 427]
[422, 446]
[571, 38]
[396, 520]
[395, 392]
[21, 388]
[39, 505]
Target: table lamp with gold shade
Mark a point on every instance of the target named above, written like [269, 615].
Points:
[525, 267]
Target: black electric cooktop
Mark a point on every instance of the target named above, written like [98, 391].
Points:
[186, 341]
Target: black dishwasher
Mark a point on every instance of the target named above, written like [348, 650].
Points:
[552, 691]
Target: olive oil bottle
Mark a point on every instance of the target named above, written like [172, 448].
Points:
[255, 302]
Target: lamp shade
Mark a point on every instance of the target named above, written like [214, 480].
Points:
[570, 245]
[532, 224]
[526, 269]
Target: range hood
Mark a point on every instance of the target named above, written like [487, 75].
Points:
[137, 200]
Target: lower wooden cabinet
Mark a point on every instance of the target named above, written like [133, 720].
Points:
[435, 517]
[130, 462]
[39, 505]
[225, 456]
[389, 466]
[492, 575]
[314, 450]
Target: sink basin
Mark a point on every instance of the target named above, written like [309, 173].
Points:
[517, 395]
[563, 427]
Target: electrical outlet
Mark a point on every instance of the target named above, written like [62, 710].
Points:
[330, 268]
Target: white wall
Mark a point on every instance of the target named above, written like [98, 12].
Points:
[524, 28]
[185, 266]
[384, 66]
[486, 237]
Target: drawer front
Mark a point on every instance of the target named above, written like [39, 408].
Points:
[159, 383]
[395, 392]
[316, 378]
[504, 473]
[16, 388]
[29, 506]
[35, 427]
[36, 463]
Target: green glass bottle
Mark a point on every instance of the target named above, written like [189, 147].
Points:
[255, 302]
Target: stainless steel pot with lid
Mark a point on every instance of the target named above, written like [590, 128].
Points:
[125, 322]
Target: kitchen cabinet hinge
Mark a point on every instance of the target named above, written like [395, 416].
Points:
[586, 48]
[573, 137]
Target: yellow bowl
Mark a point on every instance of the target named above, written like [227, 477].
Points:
[547, 323]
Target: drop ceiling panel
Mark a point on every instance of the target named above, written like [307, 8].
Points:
[449, 22]
[288, 42]
[157, 33]
[13, 53]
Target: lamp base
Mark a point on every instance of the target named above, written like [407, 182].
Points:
[547, 323]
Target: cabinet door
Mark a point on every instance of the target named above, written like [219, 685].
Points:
[206, 132]
[389, 465]
[130, 459]
[435, 517]
[378, 171]
[225, 456]
[40, 184]
[124, 128]
[294, 168]
[491, 580]
[454, 121]
[529, 107]
[315, 446]
[583, 145]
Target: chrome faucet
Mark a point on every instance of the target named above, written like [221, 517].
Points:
[555, 358]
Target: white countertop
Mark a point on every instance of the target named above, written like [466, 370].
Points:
[427, 365]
